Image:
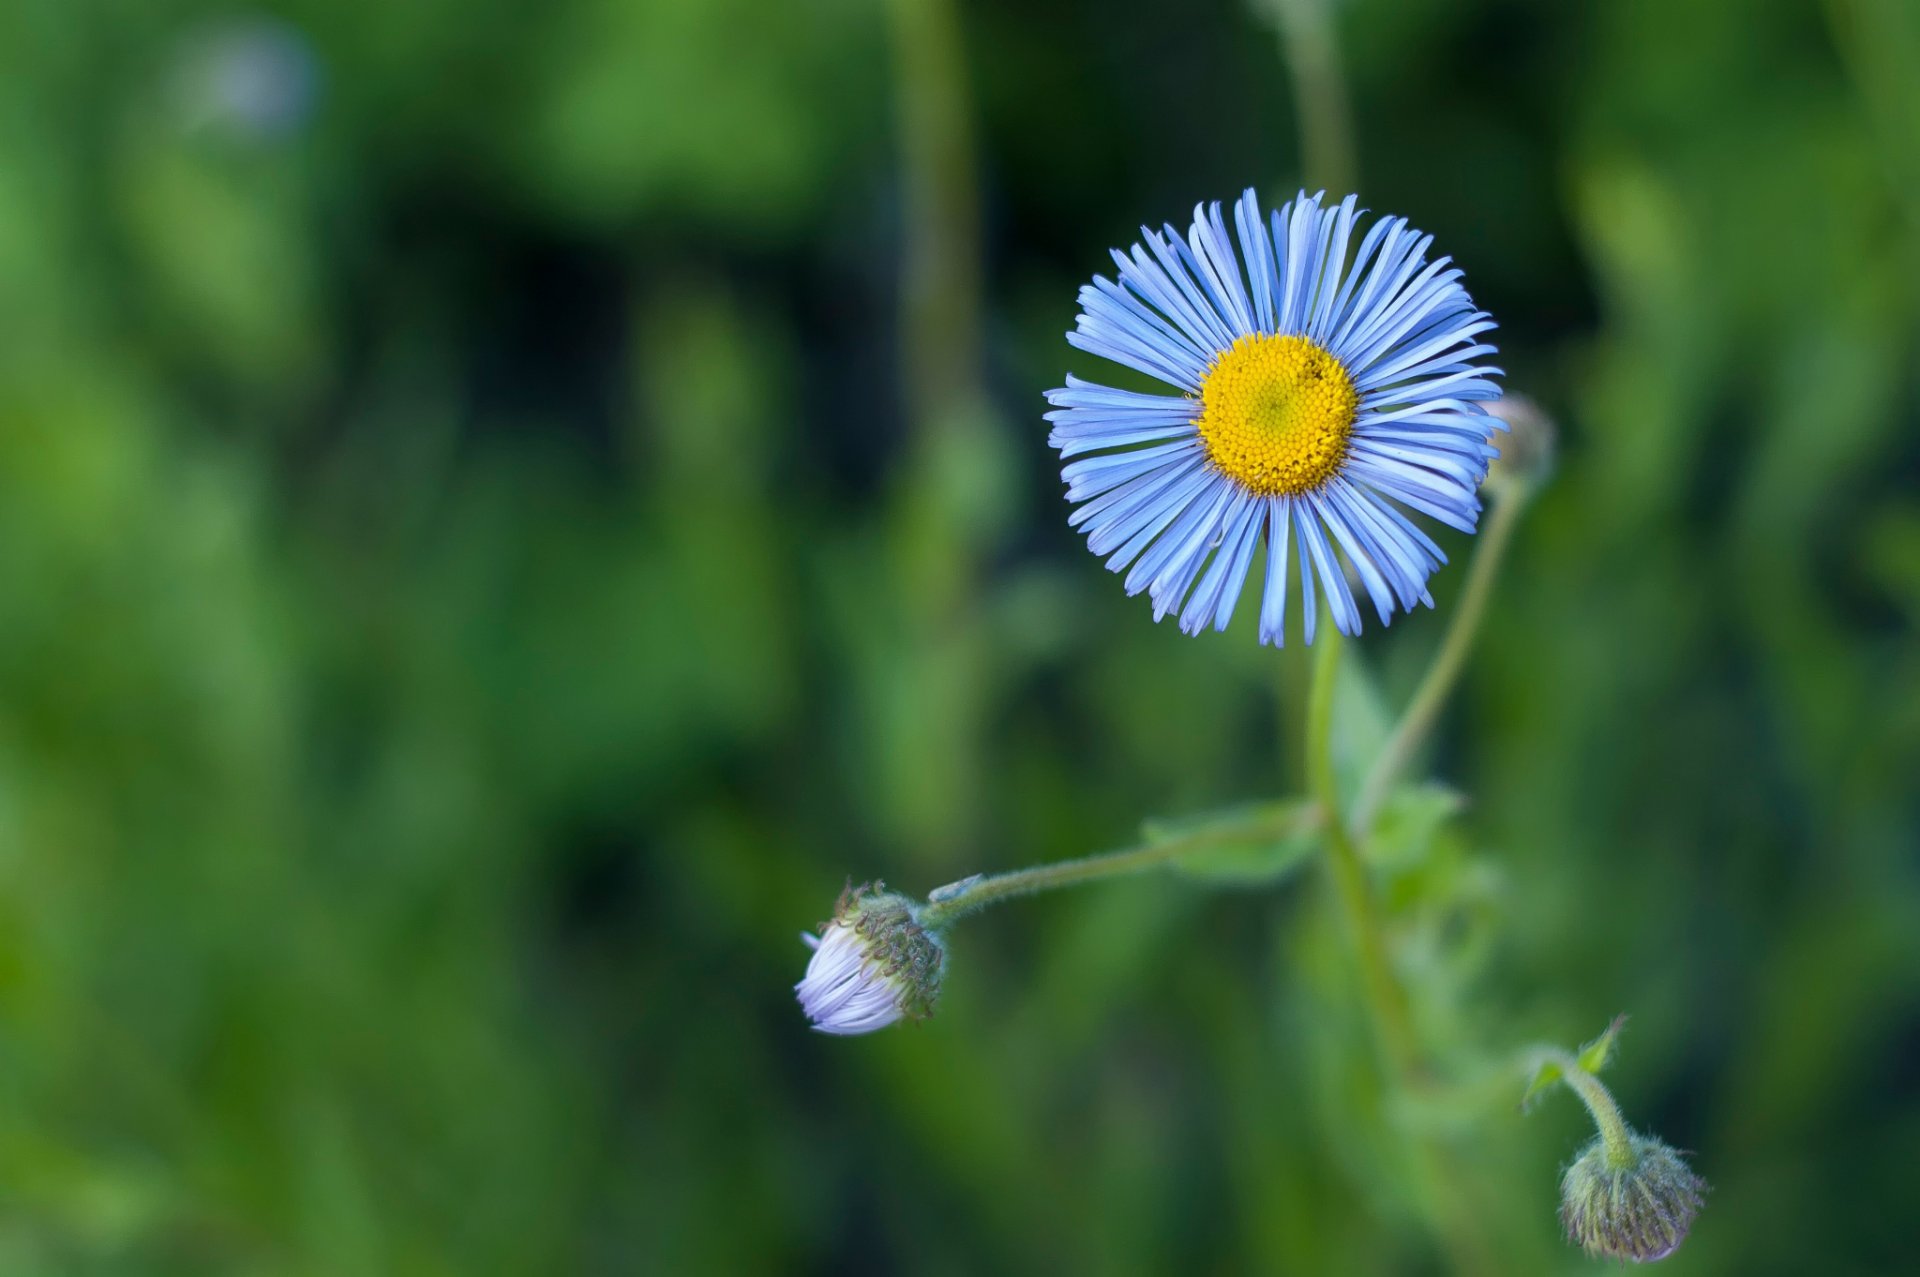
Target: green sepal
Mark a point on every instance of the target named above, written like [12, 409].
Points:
[1253, 844]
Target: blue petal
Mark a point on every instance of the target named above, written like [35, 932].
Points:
[1090, 476]
[1346, 617]
[1359, 552]
[1205, 314]
[1309, 607]
[1218, 267]
[1258, 248]
[1193, 529]
[1220, 590]
[1273, 607]
[1330, 285]
[1112, 509]
[1155, 519]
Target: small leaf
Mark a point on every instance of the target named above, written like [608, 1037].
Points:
[1594, 1055]
[1255, 844]
[1545, 1076]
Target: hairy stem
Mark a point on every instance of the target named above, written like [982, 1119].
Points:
[1599, 1101]
[972, 894]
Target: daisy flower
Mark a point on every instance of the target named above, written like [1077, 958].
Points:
[1320, 400]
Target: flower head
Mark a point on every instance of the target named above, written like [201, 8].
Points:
[1318, 397]
[1638, 1207]
[872, 964]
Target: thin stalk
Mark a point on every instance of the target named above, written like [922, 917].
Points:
[1392, 1023]
[973, 894]
[1421, 712]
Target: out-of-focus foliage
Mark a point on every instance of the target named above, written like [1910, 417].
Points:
[472, 589]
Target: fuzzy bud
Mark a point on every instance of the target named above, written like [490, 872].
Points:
[1635, 1208]
[873, 964]
[1526, 449]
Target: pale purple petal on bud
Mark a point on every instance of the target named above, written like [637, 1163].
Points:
[873, 964]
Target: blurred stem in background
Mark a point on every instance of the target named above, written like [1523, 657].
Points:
[926, 691]
[1328, 155]
[940, 272]
[1872, 38]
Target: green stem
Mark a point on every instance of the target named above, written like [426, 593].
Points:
[972, 894]
[1613, 1128]
[1329, 158]
[1386, 1000]
[1392, 1023]
[1421, 712]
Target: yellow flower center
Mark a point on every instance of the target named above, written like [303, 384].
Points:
[1276, 413]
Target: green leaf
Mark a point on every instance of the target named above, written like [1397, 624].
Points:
[1543, 1077]
[1254, 844]
[1361, 723]
[1412, 815]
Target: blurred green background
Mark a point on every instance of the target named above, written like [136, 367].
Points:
[504, 507]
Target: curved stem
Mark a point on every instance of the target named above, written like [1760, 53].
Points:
[1418, 719]
[1613, 1128]
[1392, 1022]
[972, 894]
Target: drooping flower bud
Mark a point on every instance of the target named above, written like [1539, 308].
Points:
[1637, 1205]
[873, 964]
[1526, 449]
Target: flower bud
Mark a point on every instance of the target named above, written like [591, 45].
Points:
[873, 964]
[1526, 449]
[1638, 1207]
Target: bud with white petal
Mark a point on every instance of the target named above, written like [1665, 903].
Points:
[873, 964]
